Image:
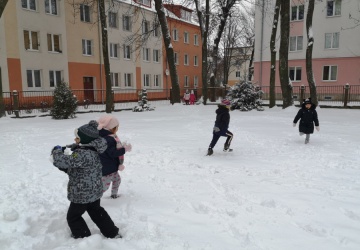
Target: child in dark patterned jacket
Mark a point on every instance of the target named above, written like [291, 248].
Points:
[83, 167]
[113, 158]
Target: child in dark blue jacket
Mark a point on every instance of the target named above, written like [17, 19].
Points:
[221, 127]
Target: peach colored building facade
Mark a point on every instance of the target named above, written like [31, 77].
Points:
[336, 49]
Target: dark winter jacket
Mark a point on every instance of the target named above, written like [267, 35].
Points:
[84, 170]
[110, 158]
[307, 119]
[222, 118]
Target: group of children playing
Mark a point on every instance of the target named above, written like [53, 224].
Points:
[98, 155]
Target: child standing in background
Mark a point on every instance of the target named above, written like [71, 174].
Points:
[113, 158]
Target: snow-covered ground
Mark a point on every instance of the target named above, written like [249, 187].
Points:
[272, 193]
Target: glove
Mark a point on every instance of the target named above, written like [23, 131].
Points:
[55, 148]
[127, 147]
[121, 167]
[72, 146]
[317, 128]
[216, 129]
[294, 124]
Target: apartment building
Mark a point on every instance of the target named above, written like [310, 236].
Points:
[336, 50]
[239, 64]
[43, 42]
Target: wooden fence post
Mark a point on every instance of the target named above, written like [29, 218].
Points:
[346, 95]
[302, 93]
[16, 103]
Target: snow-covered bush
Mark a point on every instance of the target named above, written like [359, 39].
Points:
[245, 96]
[143, 103]
[65, 103]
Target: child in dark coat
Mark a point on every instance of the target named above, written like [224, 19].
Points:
[221, 127]
[308, 116]
[85, 186]
[113, 158]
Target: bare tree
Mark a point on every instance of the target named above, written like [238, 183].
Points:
[2, 104]
[309, 49]
[169, 50]
[273, 53]
[284, 54]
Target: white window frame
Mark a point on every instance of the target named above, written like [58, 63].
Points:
[156, 55]
[55, 77]
[114, 50]
[331, 69]
[145, 27]
[186, 81]
[127, 52]
[237, 74]
[186, 37]
[186, 15]
[87, 47]
[176, 58]
[33, 44]
[85, 13]
[297, 77]
[196, 39]
[112, 20]
[146, 54]
[157, 82]
[175, 35]
[186, 59]
[51, 7]
[297, 17]
[51, 45]
[144, 2]
[127, 80]
[156, 31]
[146, 80]
[196, 61]
[196, 81]
[33, 81]
[296, 43]
[26, 4]
[115, 79]
[332, 41]
[127, 23]
[335, 9]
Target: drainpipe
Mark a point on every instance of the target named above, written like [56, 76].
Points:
[100, 55]
[261, 41]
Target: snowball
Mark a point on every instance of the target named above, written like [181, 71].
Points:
[10, 215]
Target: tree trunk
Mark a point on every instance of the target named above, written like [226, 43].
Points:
[2, 104]
[272, 98]
[309, 49]
[286, 87]
[2, 6]
[169, 51]
[105, 51]
[251, 67]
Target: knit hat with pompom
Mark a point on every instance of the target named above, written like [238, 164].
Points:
[88, 132]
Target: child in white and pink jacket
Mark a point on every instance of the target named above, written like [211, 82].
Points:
[113, 158]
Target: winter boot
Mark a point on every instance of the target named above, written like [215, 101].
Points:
[114, 196]
[210, 151]
[307, 139]
[226, 148]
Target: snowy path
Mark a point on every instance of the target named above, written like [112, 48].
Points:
[272, 193]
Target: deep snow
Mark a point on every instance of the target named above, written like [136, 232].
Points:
[273, 192]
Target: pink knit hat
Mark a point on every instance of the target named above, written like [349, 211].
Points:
[107, 122]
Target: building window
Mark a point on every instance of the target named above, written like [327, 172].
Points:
[175, 35]
[297, 13]
[186, 37]
[296, 43]
[186, 15]
[156, 55]
[330, 73]
[146, 54]
[86, 47]
[146, 81]
[156, 29]
[28, 4]
[196, 81]
[31, 40]
[237, 74]
[144, 2]
[186, 81]
[295, 74]
[145, 27]
[196, 61]
[156, 80]
[33, 78]
[332, 40]
[176, 58]
[53, 42]
[85, 13]
[112, 19]
[114, 50]
[196, 39]
[51, 7]
[55, 77]
[127, 52]
[333, 7]
[128, 79]
[127, 23]
[114, 79]
[186, 59]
